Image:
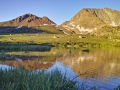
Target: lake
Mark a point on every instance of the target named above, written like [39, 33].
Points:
[99, 67]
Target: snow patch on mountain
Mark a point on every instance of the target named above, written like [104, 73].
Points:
[113, 24]
[72, 24]
[82, 29]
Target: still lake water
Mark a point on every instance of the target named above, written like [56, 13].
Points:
[99, 67]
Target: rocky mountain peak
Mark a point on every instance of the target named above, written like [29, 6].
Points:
[29, 20]
[90, 19]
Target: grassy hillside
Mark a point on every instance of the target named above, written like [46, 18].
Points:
[35, 29]
[51, 30]
[108, 32]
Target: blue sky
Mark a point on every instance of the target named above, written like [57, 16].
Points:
[56, 10]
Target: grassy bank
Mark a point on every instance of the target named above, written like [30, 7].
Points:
[59, 40]
[21, 79]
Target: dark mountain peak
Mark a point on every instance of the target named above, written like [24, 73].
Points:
[29, 14]
[29, 19]
[25, 16]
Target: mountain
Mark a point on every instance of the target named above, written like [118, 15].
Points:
[87, 20]
[92, 19]
[29, 20]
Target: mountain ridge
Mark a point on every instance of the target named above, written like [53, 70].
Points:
[91, 19]
[29, 20]
[87, 20]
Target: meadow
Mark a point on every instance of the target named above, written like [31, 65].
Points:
[56, 40]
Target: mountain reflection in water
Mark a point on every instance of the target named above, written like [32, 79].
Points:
[100, 67]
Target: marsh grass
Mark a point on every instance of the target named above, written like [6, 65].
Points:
[24, 47]
[2, 55]
[117, 88]
[21, 79]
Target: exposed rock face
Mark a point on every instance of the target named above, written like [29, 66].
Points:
[91, 19]
[29, 20]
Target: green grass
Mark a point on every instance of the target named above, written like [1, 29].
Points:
[50, 30]
[67, 41]
[21, 79]
[34, 29]
[24, 47]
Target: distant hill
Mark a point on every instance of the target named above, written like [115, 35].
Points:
[92, 19]
[29, 20]
[29, 23]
